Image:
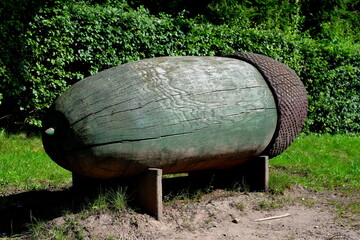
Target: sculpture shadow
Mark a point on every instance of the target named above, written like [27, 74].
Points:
[191, 187]
[19, 211]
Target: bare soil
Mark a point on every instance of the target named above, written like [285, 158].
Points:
[218, 215]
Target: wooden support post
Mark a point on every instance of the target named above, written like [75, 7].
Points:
[254, 174]
[149, 192]
[259, 173]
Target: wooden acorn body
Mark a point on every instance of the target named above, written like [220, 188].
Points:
[179, 114]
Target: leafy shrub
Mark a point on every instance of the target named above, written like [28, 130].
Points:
[331, 19]
[332, 77]
[69, 40]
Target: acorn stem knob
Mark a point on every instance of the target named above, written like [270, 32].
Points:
[50, 131]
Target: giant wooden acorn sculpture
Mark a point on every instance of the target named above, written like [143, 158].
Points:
[179, 114]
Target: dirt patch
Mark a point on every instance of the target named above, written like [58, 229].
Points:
[226, 215]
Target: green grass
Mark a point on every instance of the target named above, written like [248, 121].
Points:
[109, 199]
[266, 204]
[238, 205]
[71, 229]
[106, 200]
[318, 162]
[25, 165]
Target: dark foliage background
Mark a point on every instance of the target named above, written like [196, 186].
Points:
[46, 46]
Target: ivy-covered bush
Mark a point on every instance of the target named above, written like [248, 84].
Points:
[332, 77]
[66, 41]
[70, 41]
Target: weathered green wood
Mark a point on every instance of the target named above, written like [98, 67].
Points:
[175, 113]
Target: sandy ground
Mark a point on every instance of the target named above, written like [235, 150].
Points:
[224, 215]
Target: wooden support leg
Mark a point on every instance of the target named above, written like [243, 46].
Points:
[149, 192]
[259, 174]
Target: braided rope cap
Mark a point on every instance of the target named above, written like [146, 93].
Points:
[290, 97]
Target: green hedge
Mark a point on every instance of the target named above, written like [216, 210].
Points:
[70, 40]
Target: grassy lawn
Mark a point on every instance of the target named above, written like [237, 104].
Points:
[25, 165]
[319, 162]
[322, 163]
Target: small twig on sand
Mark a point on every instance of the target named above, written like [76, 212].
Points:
[271, 218]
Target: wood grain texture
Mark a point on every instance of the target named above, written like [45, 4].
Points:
[175, 113]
